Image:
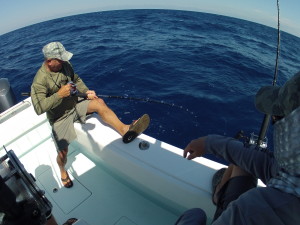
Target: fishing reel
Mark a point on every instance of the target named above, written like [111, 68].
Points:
[22, 202]
[252, 140]
[73, 90]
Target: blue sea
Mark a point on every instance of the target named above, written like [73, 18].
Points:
[195, 73]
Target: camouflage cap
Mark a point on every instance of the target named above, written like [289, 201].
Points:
[279, 101]
[56, 50]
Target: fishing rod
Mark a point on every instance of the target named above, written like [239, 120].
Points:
[83, 95]
[266, 120]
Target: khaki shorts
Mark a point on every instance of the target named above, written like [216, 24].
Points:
[63, 129]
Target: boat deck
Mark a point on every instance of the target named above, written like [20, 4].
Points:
[97, 196]
[114, 183]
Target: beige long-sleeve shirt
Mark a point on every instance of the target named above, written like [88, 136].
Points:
[44, 90]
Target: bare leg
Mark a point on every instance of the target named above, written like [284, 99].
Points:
[61, 160]
[230, 172]
[107, 115]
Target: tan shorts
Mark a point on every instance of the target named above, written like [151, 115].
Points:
[63, 129]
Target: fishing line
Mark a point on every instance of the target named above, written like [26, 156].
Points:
[147, 100]
[266, 121]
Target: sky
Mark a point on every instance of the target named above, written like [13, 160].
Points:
[15, 14]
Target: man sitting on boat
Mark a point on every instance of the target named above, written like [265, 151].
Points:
[62, 94]
[237, 201]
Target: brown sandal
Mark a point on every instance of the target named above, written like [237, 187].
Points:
[68, 181]
[136, 128]
[70, 221]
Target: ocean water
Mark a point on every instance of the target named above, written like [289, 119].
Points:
[196, 73]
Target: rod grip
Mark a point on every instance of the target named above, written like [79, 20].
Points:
[82, 95]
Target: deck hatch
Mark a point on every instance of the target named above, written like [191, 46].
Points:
[78, 193]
